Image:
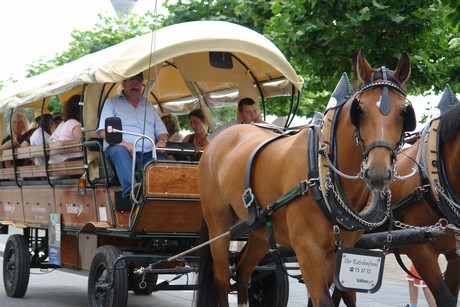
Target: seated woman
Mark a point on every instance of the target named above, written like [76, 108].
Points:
[20, 124]
[71, 129]
[198, 137]
[41, 134]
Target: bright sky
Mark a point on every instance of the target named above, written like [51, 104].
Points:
[31, 29]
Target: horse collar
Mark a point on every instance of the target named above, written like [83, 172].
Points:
[329, 194]
[441, 197]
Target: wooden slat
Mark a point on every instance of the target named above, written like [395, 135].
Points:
[6, 155]
[29, 152]
[55, 169]
[61, 147]
[7, 173]
[67, 168]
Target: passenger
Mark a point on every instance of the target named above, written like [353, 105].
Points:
[248, 111]
[56, 125]
[172, 125]
[71, 129]
[20, 126]
[133, 109]
[198, 123]
[174, 135]
[41, 133]
[198, 137]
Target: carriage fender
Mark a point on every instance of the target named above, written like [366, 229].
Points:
[91, 227]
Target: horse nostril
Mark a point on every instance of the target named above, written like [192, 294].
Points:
[390, 174]
[366, 173]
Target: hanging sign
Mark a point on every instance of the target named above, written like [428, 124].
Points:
[358, 270]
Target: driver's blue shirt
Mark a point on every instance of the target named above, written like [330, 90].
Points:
[142, 119]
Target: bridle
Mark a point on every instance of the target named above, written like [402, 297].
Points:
[386, 80]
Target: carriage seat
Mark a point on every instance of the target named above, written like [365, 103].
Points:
[97, 147]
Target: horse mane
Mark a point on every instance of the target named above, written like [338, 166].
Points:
[450, 124]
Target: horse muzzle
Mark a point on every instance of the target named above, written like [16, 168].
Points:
[377, 179]
[378, 168]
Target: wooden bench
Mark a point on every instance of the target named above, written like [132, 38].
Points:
[65, 168]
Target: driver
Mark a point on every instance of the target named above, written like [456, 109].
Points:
[138, 116]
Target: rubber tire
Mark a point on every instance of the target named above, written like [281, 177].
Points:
[263, 290]
[16, 266]
[151, 280]
[101, 272]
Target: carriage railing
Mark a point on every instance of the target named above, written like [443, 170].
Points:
[52, 169]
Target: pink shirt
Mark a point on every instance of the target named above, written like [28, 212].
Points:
[66, 135]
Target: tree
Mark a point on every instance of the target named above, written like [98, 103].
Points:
[322, 38]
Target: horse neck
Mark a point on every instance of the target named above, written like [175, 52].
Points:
[450, 154]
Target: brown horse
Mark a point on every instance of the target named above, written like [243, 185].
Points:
[414, 204]
[377, 114]
[425, 212]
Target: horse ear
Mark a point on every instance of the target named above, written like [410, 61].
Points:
[364, 69]
[410, 121]
[402, 71]
[354, 112]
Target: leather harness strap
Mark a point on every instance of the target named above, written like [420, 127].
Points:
[249, 200]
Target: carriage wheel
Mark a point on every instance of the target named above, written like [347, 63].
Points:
[263, 289]
[16, 266]
[150, 280]
[107, 287]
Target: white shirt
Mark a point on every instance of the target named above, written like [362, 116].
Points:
[37, 139]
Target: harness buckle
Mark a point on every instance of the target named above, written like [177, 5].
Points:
[389, 237]
[336, 229]
[248, 197]
[304, 187]
[418, 193]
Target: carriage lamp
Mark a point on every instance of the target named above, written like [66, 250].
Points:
[81, 191]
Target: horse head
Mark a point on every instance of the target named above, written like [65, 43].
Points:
[380, 116]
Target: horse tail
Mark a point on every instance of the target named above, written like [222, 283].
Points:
[206, 294]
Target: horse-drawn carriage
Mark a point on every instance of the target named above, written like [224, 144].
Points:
[250, 179]
[70, 212]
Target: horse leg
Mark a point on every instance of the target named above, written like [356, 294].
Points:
[349, 298]
[219, 219]
[220, 255]
[209, 292]
[425, 260]
[312, 264]
[254, 250]
[452, 276]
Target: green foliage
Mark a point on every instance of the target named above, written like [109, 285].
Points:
[321, 39]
